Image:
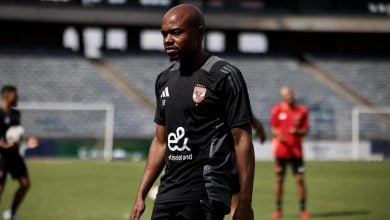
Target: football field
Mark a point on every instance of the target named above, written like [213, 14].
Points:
[93, 190]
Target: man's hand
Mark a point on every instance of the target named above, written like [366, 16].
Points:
[153, 168]
[259, 129]
[298, 132]
[244, 211]
[276, 133]
[138, 209]
[263, 137]
[293, 131]
[6, 145]
[280, 136]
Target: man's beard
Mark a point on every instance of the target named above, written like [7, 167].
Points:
[174, 59]
[14, 103]
[183, 57]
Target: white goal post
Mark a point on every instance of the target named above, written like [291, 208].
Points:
[70, 106]
[356, 126]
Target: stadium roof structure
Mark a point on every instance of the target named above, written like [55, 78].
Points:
[215, 19]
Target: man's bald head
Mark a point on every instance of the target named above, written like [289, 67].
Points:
[287, 95]
[187, 13]
[286, 90]
[182, 28]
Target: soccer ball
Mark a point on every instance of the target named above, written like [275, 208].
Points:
[14, 134]
[7, 214]
[153, 193]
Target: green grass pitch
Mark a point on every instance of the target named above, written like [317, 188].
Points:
[91, 190]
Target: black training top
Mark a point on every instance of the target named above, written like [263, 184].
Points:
[198, 110]
[8, 119]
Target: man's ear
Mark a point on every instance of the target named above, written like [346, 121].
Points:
[201, 29]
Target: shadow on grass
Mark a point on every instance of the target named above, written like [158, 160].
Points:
[339, 213]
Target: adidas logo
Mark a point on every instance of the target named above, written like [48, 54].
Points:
[165, 93]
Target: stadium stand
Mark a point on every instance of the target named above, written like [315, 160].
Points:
[140, 71]
[369, 73]
[264, 76]
[66, 77]
[368, 77]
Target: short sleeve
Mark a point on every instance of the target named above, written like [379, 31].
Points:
[237, 104]
[159, 117]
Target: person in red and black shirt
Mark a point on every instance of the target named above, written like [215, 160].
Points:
[289, 125]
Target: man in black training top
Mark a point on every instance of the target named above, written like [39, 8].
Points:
[11, 161]
[203, 115]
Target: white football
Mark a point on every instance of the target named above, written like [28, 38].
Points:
[14, 134]
[153, 193]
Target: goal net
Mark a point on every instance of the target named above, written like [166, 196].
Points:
[370, 133]
[86, 128]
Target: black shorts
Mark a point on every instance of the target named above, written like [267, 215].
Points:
[191, 210]
[14, 165]
[297, 165]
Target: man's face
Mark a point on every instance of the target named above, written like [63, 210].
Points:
[179, 38]
[11, 98]
[287, 96]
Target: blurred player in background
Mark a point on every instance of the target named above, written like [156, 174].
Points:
[11, 161]
[289, 125]
[203, 115]
[260, 133]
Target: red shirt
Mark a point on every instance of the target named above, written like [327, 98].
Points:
[285, 118]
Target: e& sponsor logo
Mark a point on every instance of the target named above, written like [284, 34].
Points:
[177, 142]
[175, 137]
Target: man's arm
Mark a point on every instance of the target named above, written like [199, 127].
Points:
[7, 145]
[276, 133]
[153, 168]
[303, 129]
[274, 125]
[299, 132]
[245, 160]
[258, 126]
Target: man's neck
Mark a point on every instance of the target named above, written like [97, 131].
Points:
[5, 107]
[289, 105]
[193, 63]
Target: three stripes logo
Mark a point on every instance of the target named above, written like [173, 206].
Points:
[164, 95]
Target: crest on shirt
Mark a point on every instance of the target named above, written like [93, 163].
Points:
[7, 120]
[199, 93]
[282, 116]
